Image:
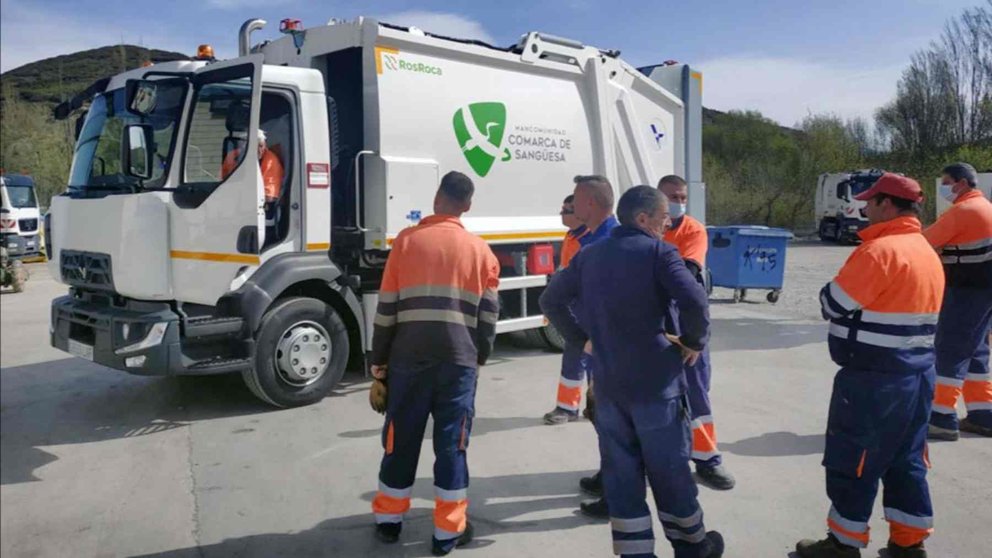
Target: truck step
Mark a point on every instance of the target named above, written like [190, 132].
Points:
[209, 326]
[220, 366]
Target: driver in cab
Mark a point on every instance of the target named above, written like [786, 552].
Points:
[272, 174]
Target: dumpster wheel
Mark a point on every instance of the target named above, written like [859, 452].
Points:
[773, 296]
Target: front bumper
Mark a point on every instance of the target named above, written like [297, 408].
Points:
[20, 246]
[102, 330]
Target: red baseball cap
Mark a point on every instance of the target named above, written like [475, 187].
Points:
[894, 185]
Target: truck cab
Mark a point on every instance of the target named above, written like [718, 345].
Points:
[235, 216]
[839, 216]
[19, 216]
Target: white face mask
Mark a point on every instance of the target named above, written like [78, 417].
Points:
[676, 210]
[946, 191]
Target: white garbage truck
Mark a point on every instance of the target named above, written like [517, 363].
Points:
[178, 260]
[840, 217]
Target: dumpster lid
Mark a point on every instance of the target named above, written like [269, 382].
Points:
[753, 230]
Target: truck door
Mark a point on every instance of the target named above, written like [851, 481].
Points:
[218, 221]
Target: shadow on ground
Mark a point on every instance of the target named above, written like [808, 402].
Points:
[776, 444]
[500, 505]
[757, 334]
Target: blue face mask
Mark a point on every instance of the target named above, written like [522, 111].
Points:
[946, 191]
[676, 210]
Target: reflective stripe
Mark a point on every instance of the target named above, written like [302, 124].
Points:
[847, 524]
[450, 495]
[388, 518]
[446, 291]
[983, 243]
[978, 377]
[388, 297]
[944, 410]
[698, 422]
[632, 525]
[883, 340]
[570, 383]
[684, 522]
[969, 259]
[488, 317]
[842, 297]
[892, 514]
[447, 316]
[639, 546]
[397, 493]
[950, 382]
[979, 406]
[444, 535]
[384, 321]
[698, 536]
[704, 455]
[900, 318]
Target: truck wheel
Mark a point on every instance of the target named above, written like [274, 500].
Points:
[552, 338]
[301, 350]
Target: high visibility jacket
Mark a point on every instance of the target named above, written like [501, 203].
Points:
[269, 164]
[438, 300]
[571, 245]
[624, 286]
[689, 236]
[883, 305]
[963, 235]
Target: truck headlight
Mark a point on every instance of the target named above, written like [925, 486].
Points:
[154, 338]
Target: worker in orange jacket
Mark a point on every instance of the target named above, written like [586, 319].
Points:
[963, 235]
[883, 308]
[434, 327]
[573, 367]
[272, 177]
[689, 236]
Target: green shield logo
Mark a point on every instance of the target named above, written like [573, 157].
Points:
[479, 129]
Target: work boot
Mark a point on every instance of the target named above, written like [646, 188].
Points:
[969, 426]
[593, 485]
[444, 548]
[388, 533]
[560, 416]
[915, 551]
[829, 547]
[711, 547]
[596, 509]
[716, 476]
[946, 434]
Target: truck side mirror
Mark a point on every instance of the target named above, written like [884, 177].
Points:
[842, 191]
[136, 147]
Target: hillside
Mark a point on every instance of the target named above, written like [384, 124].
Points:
[38, 82]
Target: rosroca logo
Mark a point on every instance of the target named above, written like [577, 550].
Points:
[479, 129]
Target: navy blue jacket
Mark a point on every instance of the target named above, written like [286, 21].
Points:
[625, 285]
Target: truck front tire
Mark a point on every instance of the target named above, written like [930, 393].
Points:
[301, 351]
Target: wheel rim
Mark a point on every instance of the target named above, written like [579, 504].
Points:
[303, 354]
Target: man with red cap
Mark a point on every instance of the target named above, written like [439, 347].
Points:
[883, 308]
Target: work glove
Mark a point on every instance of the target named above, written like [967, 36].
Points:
[378, 396]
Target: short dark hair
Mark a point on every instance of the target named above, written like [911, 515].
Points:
[673, 179]
[569, 198]
[457, 187]
[602, 190]
[902, 204]
[962, 171]
[637, 200]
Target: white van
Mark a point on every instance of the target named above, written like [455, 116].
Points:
[20, 220]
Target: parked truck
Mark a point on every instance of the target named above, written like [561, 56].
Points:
[161, 234]
[840, 217]
[19, 216]
[984, 184]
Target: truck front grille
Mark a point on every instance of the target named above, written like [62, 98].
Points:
[28, 225]
[87, 269]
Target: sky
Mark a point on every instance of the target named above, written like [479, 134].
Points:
[783, 58]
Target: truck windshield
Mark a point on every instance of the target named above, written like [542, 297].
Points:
[97, 161]
[21, 196]
[860, 186]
